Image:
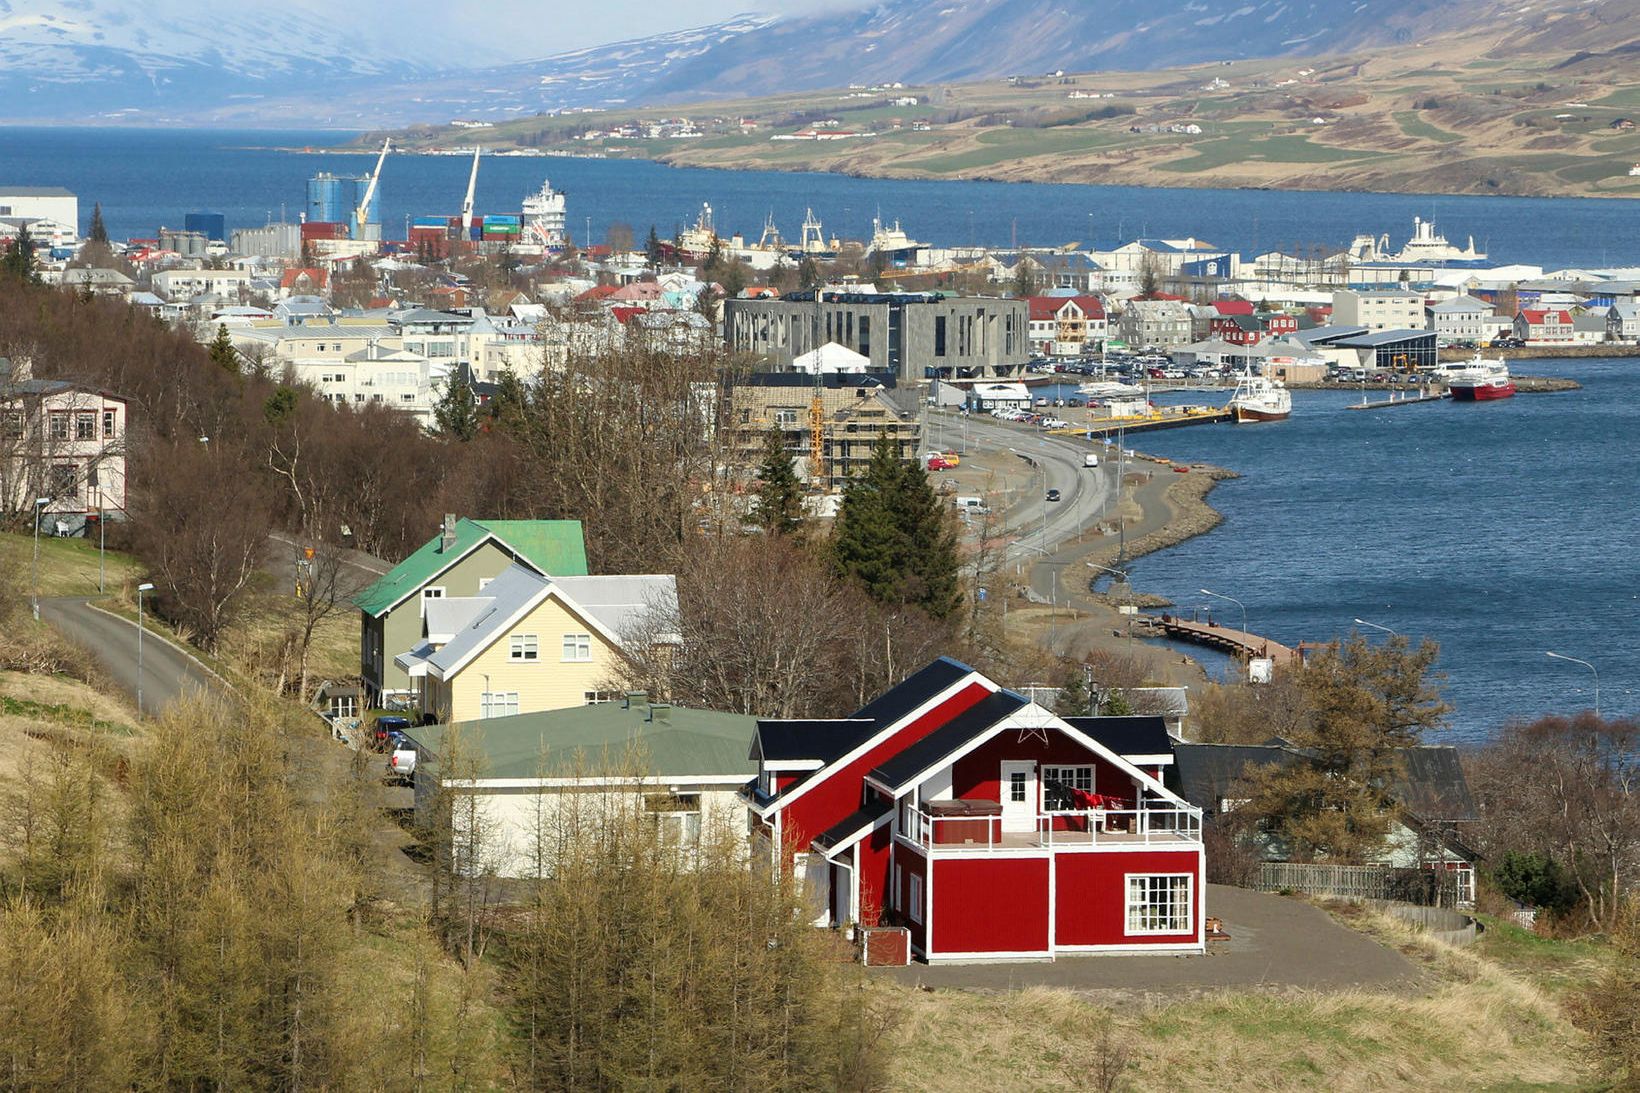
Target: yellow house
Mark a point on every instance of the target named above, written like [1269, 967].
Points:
[528, 643]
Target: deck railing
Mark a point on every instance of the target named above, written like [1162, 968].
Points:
[1151, 826]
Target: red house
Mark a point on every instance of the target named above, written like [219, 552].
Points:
[989, 827]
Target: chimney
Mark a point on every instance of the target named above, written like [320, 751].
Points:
[447, 538]
[636, 700]
[660, 711]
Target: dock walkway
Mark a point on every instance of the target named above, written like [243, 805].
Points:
[1222, 638]
[1410, 400]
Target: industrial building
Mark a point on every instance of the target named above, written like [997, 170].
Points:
[914, 336]
[335, 199]
[51, 213]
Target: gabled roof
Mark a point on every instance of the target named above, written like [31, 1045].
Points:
[948, 738]
[557, 547]
[796, 741]
[913, 691]
[1233, 307]
[1127, 736]
[674, 742]
[1538, 316]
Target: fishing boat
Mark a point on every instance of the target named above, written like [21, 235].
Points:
[1259, 398]
[1479, 380]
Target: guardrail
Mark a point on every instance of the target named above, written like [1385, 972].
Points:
[1081, 827]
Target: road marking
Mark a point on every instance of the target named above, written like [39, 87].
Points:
[206, 668]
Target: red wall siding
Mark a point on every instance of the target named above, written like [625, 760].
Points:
[912, 864]
[872, 854]
[976, 777]
[991, 905]
[1091, 896]
[842, 791]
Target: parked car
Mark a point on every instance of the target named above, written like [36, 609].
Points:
[401, 766]
[389, 731]
[1053, 495]
[939, 463]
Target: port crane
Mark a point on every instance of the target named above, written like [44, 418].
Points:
[362, 214]
[467, 204]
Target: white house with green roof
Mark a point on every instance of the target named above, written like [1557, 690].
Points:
[460, 561]
[535, 779]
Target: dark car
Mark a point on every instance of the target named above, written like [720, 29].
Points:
[1053, 495]
[389, 731]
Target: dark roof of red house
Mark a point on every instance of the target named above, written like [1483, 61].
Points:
[822, 740]
[948, 737]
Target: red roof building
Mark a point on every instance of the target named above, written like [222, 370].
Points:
[1233, 307]
[987, 826]
[1543, 325]
[1066, 325]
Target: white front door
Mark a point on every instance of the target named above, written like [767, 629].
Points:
[1019, 795]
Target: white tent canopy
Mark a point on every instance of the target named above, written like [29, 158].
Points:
[831, 357]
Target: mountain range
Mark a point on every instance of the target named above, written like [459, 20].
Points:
[88, 60]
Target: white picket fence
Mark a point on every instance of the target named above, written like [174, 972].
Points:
[1338, 881]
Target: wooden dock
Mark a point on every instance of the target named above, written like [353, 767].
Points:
[1384, 404]
[1234, 642]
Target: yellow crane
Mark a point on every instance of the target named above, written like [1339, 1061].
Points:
[817, 409]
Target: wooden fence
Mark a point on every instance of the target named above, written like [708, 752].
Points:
[1426, 887]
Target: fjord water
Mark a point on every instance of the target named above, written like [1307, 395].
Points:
[146, 178]
[1501, 530]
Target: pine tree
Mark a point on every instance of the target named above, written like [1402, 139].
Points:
[653, 254]
[18, 260]
[779, 506]
[99, 231]
[222, 350]
[457, 411]
[894, 538]
[809, 275]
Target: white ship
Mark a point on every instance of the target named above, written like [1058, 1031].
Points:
[543, 218]
[697, 242]
[1426, 246]
[1258, 398]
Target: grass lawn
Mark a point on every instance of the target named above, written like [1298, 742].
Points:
[1214, 154]
[1003, 145]
[1414, 126]
[68, 567]
[1481, 1020]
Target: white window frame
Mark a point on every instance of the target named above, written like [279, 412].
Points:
[497, 704]
[915, 898]
[1135, 909]
[597, 698]
[1052, 773]
[577, 649]
[524, 648]
[677, 826]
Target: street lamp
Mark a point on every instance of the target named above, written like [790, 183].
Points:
[1232, 599]
[1590, 667]
[40, 504]
[141, 589]
[1375, 626]
[1119, 574]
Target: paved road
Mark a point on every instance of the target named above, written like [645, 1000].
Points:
[1274, 942]
[167, 673]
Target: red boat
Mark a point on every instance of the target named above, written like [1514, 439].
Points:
[1479, 380]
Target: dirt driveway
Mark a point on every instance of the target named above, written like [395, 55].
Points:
[1274, 942]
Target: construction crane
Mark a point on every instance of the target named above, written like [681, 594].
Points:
[817, 408]
[467, 205]
[362, 214]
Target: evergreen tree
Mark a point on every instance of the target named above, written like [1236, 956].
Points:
[99, 231]
[18, 260]
[779, 506]
[280, 405]
[1024, 280]
[222, 350]
[894, 538]
[808, 274]
[653, 253]
[457, 411]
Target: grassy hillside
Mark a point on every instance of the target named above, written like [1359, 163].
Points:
[1495, 109]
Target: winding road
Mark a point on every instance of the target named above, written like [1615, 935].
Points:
[166, 672]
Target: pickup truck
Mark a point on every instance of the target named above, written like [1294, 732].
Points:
[401, 765]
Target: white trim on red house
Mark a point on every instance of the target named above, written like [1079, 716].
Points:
[854, 840]
[797, 791]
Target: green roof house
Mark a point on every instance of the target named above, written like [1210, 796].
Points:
[464, 557]
[683, 767]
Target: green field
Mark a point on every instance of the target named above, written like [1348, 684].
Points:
[1004, 145]
[1414, 126]
[1214, 154]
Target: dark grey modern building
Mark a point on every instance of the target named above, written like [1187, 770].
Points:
[916, 336]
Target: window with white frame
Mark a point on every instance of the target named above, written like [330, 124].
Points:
[597, 698]
[498, 704]
[916, 899]
[1058, 784]
[523, 647]
[1158, 903]
[676, 817]
[577, 648]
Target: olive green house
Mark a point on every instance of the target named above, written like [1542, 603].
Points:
[460, 561]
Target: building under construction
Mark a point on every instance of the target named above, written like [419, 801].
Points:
[852, 411]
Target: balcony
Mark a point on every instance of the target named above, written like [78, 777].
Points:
[977, 825]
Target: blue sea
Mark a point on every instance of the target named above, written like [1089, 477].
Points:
[1500, 530]
[148, 178]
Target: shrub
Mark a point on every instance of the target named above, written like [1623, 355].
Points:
[1536, 880]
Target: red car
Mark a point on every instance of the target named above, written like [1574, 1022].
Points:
[938, 464]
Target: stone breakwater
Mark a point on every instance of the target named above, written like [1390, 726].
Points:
[1189, 514]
